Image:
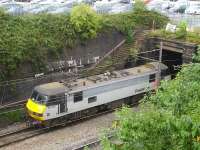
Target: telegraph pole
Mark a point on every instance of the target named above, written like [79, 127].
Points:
[160, 61]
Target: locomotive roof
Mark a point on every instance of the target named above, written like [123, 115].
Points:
[55, 88]
[52, 88]
[108, 77]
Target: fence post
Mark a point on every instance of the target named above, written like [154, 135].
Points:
[4, 90]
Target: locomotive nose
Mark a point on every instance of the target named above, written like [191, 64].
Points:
[35, 110]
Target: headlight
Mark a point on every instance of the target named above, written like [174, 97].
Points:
[37, 114]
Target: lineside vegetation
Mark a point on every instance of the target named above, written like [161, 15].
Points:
[166, 120]
[181, 34]
[31, 39]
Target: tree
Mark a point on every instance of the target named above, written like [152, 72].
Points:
[35, 39]
[152, 129]
[167, 120]
[181, 33]
[86, 21]
[196, 57]
[139, 6]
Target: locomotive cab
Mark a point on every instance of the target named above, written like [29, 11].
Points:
[165, 74]
[47, 101]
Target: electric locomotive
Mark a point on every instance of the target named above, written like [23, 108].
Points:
[64, 101]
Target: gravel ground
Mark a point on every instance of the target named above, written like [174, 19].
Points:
[12, 128]
[66, 137]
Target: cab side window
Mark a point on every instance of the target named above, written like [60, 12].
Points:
[52, 100]
[78, 96]
[92, 99]
[56, 99]
[152, 78]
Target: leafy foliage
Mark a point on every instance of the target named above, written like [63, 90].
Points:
[181, 33]
[85, 20]
[139, 6]
[196, 57]
[150, 129]
[33, 39]
[12, 116]
[166, 120]
[176, 96]
[192, 37]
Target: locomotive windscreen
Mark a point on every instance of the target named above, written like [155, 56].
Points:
[36, 96]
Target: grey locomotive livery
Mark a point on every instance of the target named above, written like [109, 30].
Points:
[95, 93]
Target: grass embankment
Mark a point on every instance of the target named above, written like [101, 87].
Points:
[11, 116]
[191, 37]
[32, 39]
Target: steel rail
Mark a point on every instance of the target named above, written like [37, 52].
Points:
[90, 144]
[26, 133]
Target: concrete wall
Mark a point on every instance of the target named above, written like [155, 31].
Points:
[21, 89]
[186, 49]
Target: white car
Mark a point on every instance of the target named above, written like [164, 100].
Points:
[167, 5]
[195, 9]
[39, 8]
[14, 9]
[119, 8]
[179, 6]
[60, 10]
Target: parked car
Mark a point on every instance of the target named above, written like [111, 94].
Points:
[14, 9]
[167, 5]
[119, 8]
[155, 5]
[125, 1]
[179, 6]
[193, 9]
[60, 10]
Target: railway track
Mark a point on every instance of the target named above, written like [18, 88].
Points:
[8, 105]
[91, 144]
[27, 132]
[12, 107]
[19, 135]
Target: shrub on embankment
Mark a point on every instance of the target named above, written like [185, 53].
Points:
[166, 120]
[33, 38]
[189, 37]
[181, 34]
[11, 116]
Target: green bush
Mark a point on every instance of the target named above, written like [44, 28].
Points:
[33, 39]
[196, 57]
[166, 120]
[181, 33]
[86, 21]
[12, 116]
[139, 6]
[151, 129]
[187, 37]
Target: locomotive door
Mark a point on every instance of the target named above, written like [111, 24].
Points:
[62, 104]
[66, 96]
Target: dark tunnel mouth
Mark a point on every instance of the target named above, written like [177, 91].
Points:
[173, 60]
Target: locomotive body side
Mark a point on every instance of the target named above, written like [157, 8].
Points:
[59, 99]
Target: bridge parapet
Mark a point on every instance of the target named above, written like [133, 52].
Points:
[186, 49]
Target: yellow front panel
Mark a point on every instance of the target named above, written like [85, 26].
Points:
[35, 107]
[35, 117]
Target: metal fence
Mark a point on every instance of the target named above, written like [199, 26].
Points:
[192, 20]
[19, 8]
